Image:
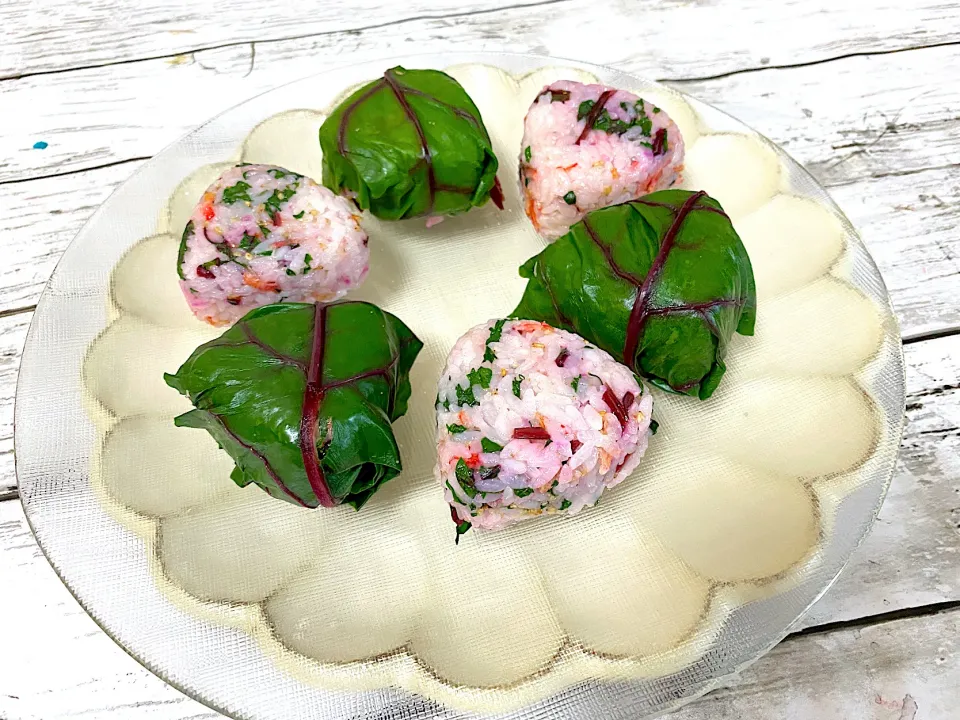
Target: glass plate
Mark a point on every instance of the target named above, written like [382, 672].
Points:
[742, 514]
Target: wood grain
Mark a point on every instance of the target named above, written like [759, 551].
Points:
[862, 673]
[40, 219]
[65, 666]
[104, 83]
[59, 34]
[909, 224]
[13, 333]
[912, 555]
[852, 118]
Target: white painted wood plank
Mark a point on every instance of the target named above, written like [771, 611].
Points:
[13, 333]
[911, 557]
[54, 660]
[856, 117]
[846, 119]
[908, 222]
[60, 665]
[60, 34]
[39, 219]
[901, 670]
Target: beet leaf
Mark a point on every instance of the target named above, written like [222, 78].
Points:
[302, 397]
[661, 283]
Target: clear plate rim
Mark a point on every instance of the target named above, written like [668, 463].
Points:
[443, 59]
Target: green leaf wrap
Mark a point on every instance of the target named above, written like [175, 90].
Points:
[410, 144]
[302, 398]
[661, 283]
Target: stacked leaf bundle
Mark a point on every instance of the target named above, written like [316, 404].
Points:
[538, 414]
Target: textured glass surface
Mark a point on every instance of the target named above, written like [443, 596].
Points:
[742, 514]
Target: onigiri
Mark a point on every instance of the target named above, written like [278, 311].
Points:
[532, 420]
[262, 234]
[589, 146]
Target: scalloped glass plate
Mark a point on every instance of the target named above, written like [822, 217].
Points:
[741, 515]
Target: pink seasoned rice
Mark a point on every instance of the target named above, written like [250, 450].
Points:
[262, 234]
[532, 420]
[631, 149]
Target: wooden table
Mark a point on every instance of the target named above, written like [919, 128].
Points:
[865, 94]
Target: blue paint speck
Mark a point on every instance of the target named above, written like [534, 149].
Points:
[40, 145]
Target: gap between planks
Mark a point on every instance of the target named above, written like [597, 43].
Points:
[925, 336]
[809, 63]
[76, 171]
[472, 13]
[880, 618]
[760, 35]
[291, 38]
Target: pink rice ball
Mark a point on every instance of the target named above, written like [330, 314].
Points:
[586, 147]
[262, 234]
[531, 421]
